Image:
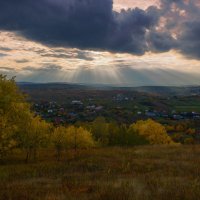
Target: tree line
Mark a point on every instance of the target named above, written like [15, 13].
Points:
[21, 129]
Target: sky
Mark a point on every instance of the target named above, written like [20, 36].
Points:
[118, 42]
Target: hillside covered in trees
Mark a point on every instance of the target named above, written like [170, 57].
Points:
[23, 129]
[99, 159]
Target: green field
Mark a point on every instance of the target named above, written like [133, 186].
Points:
[140, 173]
[187, 108]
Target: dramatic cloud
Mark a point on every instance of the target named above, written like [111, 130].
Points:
[73, 23]
[190, 39]
[126, 4]
[5, 49]
[93, 24]
[49, 73]
[180, 22]
[2, 55]
[48, 68]
[82, 24]
[22, 61]
[129, 33]
[77, 54]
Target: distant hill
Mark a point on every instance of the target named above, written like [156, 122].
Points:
[53, 91]
[170, 91]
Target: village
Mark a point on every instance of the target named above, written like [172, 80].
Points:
[88, 109]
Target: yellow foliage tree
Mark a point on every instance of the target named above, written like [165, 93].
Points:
[189, 141]
[191, 131]
[154, 132]
[12, 109]
[71, 138]
[78, 138]
[7, 142]
[36, 135]
[59, 139]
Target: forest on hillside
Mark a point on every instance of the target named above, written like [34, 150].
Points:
[99, 159]
[21, 129]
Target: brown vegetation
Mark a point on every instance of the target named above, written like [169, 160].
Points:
[141, 173]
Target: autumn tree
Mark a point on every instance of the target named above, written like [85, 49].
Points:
[112, 133]
[59, 140]
[12, 109]
[191, 131]
[7, 141]
[154, 132]
[18, 125]
[71, 137]
[79, 138]
[36, 134]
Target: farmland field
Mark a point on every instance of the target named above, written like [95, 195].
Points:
[141, 173]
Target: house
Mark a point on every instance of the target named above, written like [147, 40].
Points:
[99, 108]
[91, 107]
[76, 102]
[50, 111]
[150, 114]
[177, 117]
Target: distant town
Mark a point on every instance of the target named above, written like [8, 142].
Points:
[77, 110]
[64, 104]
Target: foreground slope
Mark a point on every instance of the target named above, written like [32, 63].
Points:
[141, 173]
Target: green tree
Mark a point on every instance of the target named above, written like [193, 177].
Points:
[134, 138]
[100, 130]
[114, 133]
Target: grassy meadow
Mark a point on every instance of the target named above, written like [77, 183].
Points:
[139, 173]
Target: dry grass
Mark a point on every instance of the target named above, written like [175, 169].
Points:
[141, 173]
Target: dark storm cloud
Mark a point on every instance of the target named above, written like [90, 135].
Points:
[161, 42]
[129, 32]
[183, 16]
[88, 24]
[92, 24]
[75, 23]
[190, 40]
